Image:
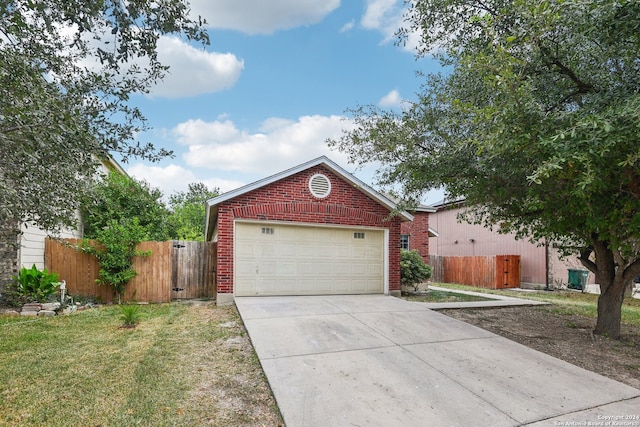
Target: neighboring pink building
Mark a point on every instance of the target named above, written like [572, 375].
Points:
[462, 239]
[312, 229]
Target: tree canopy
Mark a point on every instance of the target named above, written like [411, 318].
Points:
[188, 211]
[119, 199]
[536, 123]
[67, 71]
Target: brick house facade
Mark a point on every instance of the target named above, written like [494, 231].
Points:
[415, 234]
[287, 198]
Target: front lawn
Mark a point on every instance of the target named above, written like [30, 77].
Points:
[184, 364]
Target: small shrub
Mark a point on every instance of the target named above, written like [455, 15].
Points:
[413, 269]
[116, 250]
[36, 285]
[130, 315]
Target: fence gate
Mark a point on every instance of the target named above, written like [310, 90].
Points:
[193, 270]
[491, 272]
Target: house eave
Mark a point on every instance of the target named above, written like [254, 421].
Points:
[323, 160]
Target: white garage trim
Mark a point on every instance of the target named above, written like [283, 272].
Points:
[266, 228]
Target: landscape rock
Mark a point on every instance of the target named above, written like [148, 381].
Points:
[51, 306]
[32, 307]
[29, 313]
[46, 313]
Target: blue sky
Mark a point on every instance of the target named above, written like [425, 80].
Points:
[272, 87]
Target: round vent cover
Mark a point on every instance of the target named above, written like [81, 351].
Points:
[320, 186]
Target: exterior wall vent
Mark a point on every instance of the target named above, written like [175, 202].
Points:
[320, 186]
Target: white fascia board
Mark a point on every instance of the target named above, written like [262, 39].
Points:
[425, 208]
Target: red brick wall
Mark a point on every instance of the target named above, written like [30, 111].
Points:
[418, 231]
[291, 200]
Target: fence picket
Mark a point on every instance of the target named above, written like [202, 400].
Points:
[156, 273]
[492, 272]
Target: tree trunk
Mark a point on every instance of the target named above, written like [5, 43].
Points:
[613, 273]
[610, 308]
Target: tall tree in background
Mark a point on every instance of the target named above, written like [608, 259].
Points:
[120, 199]
[188, 211]
[537, 125]
[67, 71]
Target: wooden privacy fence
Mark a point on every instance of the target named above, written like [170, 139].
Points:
[493, 272]
[174, 270]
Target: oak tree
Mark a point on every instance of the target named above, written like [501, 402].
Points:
[535, 121]
[67, 71]
[188, 211]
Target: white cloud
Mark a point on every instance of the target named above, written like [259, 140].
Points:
[172, 178]
[392, 99]
[348, 26]
[387, 17]
[278, 145]
[194, 71]
[262, 17]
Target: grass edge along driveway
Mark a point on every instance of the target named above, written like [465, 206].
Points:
[564, 301]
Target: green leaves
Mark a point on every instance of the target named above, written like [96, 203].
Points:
[115, 248]
[188, 212]
[130, 315]
[64, 95]
[413, 270]
[537, 125]
[36, 285]
[121, 198]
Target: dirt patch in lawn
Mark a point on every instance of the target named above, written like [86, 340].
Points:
[567, 337]
[229, 387]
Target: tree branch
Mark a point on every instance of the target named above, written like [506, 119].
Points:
[584, 259]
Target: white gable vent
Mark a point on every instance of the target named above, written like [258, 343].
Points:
[320, 186]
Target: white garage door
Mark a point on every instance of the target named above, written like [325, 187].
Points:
[275, 259]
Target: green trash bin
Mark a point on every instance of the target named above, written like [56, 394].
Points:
[578, 279]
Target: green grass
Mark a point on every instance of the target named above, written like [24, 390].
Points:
[443, 296]
[83, 369]
[565, 302]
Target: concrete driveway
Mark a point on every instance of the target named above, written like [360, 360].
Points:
[374, 360]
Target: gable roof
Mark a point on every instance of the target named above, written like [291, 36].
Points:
[213, 203]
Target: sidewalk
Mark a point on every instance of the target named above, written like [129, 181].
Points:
[496, 301]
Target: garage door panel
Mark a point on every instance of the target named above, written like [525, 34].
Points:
[374, 252]
[287, 249]
[287, 269]
[307, 260]
[331, 251]
[360, 285]
[360, 268]
[339, 268]
[307, 268]
[359, 253]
